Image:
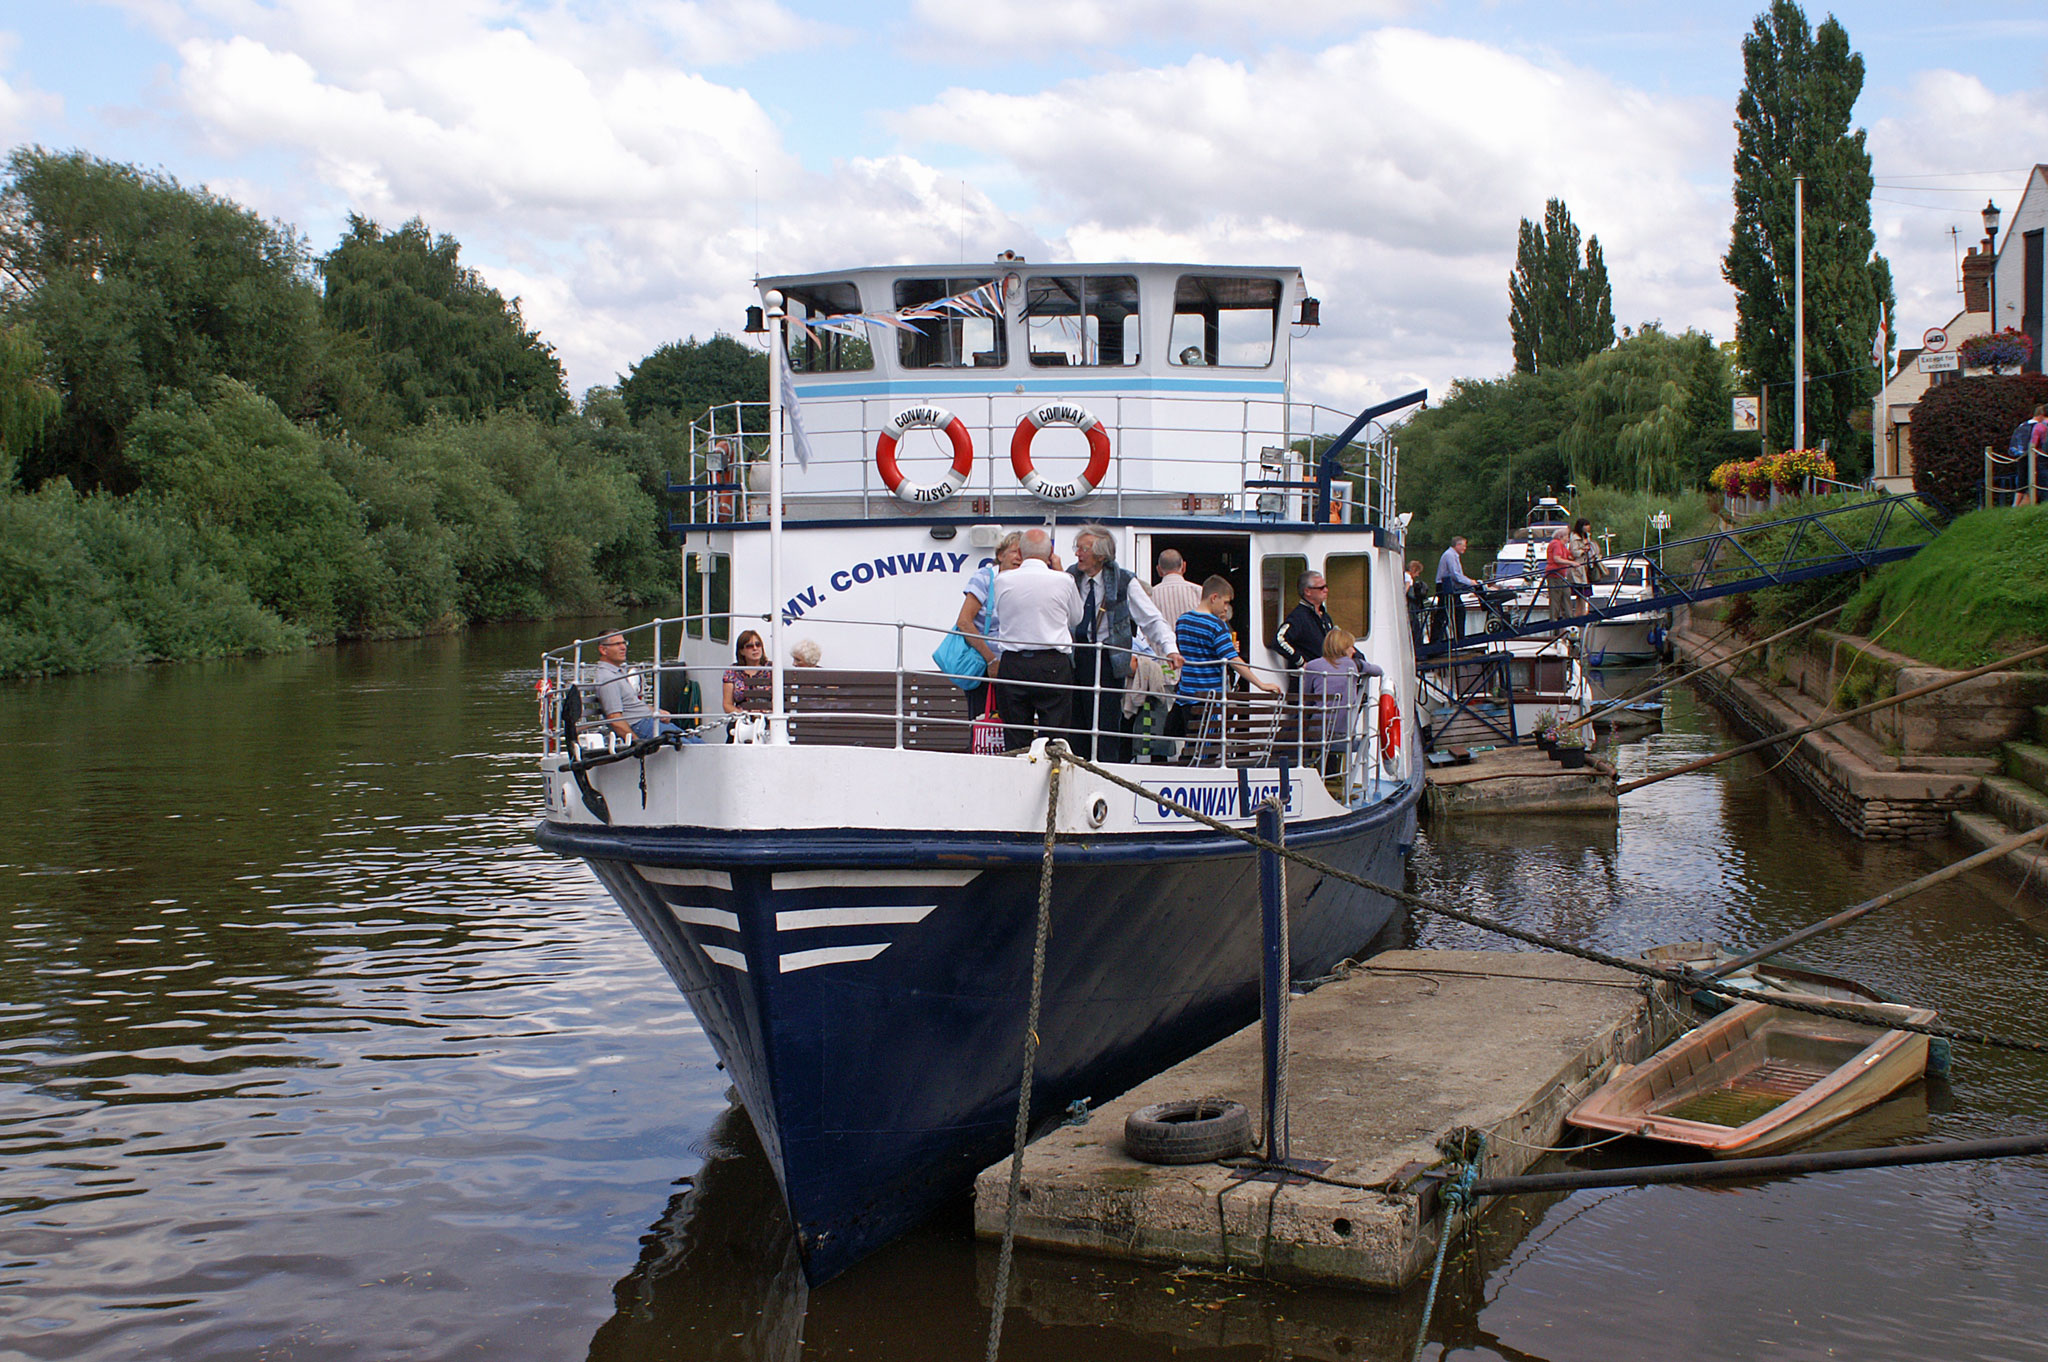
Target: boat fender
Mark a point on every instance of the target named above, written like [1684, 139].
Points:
[1390, 728]
[1188, 1132]
[1059, 414]
[924, 418]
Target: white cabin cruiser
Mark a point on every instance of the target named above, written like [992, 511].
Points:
[847, 894]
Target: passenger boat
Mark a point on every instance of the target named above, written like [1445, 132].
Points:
[847, 892]
[1756, 1079]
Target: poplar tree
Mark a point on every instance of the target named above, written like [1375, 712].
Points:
[1792, 119]
[1560, 307]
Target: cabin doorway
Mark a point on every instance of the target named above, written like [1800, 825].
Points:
[1212, 555]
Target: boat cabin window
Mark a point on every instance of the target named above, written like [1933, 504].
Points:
[951, 339]
[1074, 320]
[693, 594]
[1224, 322]
[1350, 601]
[814, 351]
[718, 596]
[1279, 588]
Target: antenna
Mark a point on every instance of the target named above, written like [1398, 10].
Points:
[963, 222]
[1956, 245]
[757, 222]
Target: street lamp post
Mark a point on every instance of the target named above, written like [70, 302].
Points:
[1991, 216]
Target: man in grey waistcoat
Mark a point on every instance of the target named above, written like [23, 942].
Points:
[1114, 608]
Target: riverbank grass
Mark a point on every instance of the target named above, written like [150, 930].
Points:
[1979, 592]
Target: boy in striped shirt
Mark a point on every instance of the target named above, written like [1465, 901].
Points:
[1206, 648]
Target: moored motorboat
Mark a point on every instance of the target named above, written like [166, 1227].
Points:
[1756, 1079]
[846, 885]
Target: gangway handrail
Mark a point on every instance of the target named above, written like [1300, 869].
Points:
[1694, 584]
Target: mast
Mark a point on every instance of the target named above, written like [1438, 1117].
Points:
[778, 726]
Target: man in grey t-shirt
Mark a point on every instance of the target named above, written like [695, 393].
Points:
[618, 695]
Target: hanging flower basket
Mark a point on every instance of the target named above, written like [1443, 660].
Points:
[1999, 351]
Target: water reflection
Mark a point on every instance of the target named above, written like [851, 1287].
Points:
[306, 1050]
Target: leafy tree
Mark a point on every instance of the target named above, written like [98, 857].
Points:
[442, 341]
[1560, 309]
[135, 284]
[682, 378]
[27, 403]
[1644, 408]
[1792, 119]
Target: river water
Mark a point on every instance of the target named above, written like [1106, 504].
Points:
[307, 1052]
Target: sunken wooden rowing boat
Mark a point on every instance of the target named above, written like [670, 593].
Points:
[1757, 1079]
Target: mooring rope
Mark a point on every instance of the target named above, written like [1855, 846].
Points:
[1001, 1295]
[1456, 1194]
[1684, 978]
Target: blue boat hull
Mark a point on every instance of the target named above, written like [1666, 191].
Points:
[867, 991]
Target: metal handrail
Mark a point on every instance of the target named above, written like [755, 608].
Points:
[1359, 771]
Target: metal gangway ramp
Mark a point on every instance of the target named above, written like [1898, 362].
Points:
[1729, 562]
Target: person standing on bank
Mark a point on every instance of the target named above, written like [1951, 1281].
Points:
[1301, 636]
[1039, 609]
[1173, 593]
[1114, 607]
[1450, 581]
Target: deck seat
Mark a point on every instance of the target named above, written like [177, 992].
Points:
[842, 708]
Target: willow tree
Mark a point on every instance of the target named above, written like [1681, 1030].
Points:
[1639, 412]
[28, 402]
[1792, 120]
[1560, 306]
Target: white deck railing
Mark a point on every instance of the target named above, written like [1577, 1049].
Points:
[903, 707]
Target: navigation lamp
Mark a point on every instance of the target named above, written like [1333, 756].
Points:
[757, 324]
[1311, 312]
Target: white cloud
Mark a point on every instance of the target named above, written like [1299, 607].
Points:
[1954, 145]
[1003, 28]
[1401, 203]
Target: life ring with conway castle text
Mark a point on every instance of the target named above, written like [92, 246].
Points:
[1390, 727]
[924, 418]
[1060, 414]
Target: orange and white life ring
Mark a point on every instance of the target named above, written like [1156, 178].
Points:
[924, 418]
[1390, 727]
[544, 691]
[1060, 414]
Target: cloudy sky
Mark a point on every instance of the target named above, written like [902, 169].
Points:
[625, 168]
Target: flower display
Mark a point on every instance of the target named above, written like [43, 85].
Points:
[2005, 349]
[1756, 477]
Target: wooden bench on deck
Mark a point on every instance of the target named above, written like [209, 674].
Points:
[858, 709]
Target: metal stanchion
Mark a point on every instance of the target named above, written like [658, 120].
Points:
[1273, 992]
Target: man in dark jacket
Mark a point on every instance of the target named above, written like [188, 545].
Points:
[1301, 637]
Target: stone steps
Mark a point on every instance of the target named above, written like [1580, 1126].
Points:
[2008, 805]
[2041, 724]
[2027, 762]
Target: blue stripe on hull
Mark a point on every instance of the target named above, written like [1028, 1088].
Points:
[882, 1085]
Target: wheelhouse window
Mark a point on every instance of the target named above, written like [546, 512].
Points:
[1279, 588]
[1350, 598]
[1081, 320]
[1224, 321]
[816, 351]
[959, 340]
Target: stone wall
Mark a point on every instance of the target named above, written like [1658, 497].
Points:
[1843, 671]
[1873, 793]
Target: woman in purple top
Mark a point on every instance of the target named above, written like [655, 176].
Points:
[748, 686]
[1331, 688]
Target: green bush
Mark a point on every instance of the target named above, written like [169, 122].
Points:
[100, 581]
[1952, 425]
[1778, 606]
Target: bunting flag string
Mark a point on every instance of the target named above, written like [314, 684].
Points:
[986, 301]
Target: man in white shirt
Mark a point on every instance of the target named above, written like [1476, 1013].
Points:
[1037, 609]
[1173, 593]
[1114, 608]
